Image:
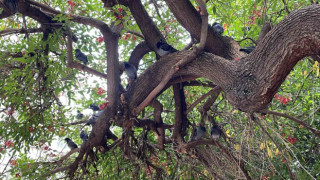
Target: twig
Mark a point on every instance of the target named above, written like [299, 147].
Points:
[252, 40]
[263, 129]
[115, 157]
[314, 131]
[211, 92]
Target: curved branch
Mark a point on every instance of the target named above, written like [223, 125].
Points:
[137, 54]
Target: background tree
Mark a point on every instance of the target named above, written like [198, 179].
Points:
[266, 102]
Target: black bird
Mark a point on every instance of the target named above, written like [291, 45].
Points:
[248, 50]
[71, 144]
[215, 132]
[81, 57]
[199, 132]
[164, 48]
[131, 70]
[79, 115]
[11, 5]
[218, 28]
[94, 107]
[94, 118]
[84, 136]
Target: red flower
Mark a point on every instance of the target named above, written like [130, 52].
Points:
[283, 160]
[30, 129]
[1, 149]
[100, 39]
[291, 139]
[100, 91]
[225, 26]
[103, 105]
[134, 38]
[120, 9]
[52, 155]
[71, 3]
[46, 148]
[127, 37]
[119, 17]
[13, 162]
[236, 59]
[9, 144]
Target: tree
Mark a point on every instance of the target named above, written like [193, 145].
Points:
[209, 81]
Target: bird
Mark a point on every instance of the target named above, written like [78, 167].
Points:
[215, 132]
[79, 115]
[94, 107]
[71, 144]
[248, 50]
[81, 57]
[199, 132]
[164, 48]
[94, 118]
[84, 136]
[11, 5]
[218, 28]
[131, 70]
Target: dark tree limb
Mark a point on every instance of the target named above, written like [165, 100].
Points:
[181, 121]
[190, 19]
[158, 108]
[137, 54]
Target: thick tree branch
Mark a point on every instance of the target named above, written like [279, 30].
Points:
[190, 19]
[158, 108]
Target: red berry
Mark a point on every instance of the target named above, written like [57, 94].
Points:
[100, 39]
[30, 129]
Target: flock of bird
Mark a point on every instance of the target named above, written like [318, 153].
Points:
[162, 49]
[198, 132]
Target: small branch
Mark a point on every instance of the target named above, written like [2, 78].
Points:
[23, 30]
[252, 40]
[135, 33]
[286, 6]
[314, 131]
[67, 155]
[87, 69]
[211, 92]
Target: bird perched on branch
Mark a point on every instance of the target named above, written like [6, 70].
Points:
[94, 107]
[164, 48]
[79, 115]
[198, 132]
[84, 136]
[215, 132]
[94, 118]
[131, 70]
[81, 57]
[248, 50]
[11, 5]
[218, 28]
[71, 144]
